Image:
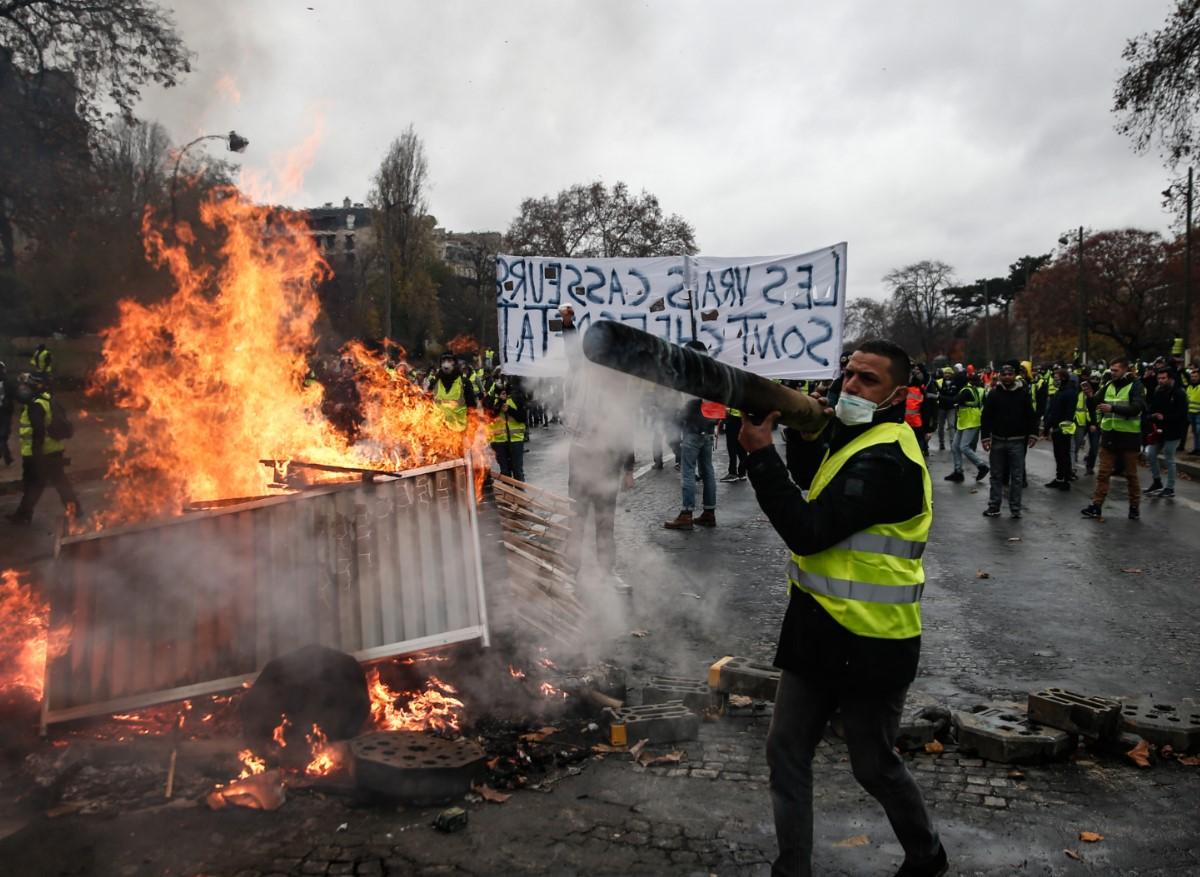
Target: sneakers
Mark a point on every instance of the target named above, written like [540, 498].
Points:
[683, 522]
[1016, 514]
[1154, 489]
[1134, 514]
[938, 866]
[728, 478]
[1167, 493]
[619, 584]
[1091, 511]
[955, 476]
[1056, 484]
[708, 518]
[982, 473]
[990, 512]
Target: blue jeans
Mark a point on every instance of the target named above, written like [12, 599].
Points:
[1007, 458]
[1195, 419]
[1167, 449]
[962, 444]
[697, 448]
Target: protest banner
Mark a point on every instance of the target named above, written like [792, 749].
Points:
[777, 316]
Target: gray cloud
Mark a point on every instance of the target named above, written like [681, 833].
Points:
[972, 133]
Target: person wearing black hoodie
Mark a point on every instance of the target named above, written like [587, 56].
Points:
[1168, 417]
[1009, 427]
[1059, 423]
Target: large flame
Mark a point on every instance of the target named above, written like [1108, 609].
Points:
[213, 377]
[26, 639]
[434, 709]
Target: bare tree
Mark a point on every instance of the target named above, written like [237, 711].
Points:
[401, 215]
[867, 318]
[595, 221]
[918, 297]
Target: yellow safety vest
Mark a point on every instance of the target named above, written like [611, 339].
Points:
[1113, 422]
[734, 412]
[970, 415]
[40, 362]
[506, 428]
[454, 410]
[1081, 410]
[1193, 397]
[49, 445]
[871, 583]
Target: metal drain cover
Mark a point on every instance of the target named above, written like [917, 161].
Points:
[414, 767]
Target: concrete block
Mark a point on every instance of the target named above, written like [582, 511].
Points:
[1093, 717]
[1004, 735]
[416, 768]
[733, 675]
[658, 723]
[696, 695]
[1174, 724]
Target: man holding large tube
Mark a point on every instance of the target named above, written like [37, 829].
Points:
[851, 636]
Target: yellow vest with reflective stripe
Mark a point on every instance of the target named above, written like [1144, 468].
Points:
[970, 415]
[872, 582]
[1081, 410]
[454, 410]
[1113, 422]
[1193, 397]
[49, 445]
[506, 428]
[40, 361]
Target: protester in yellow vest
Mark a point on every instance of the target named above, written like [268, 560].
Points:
[965, 435]
[1193, 397]
[505, 402]
[42, 453]
[851, 637]
[1122, 404]
[1059, 422]
[42, 363]
[453, 393]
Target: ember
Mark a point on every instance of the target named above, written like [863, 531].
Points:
[515, 673]
[279, 735]
[324, 758]
[251, 764]
[25, 636]
[429, 710]
[549, 690]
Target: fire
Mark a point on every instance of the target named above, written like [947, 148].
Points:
[26, 639]
[462, 344]
[549, 690]
[251, 764]
[213, 377]
[324, 758]
[279, 735]
[430, 710]
[515, 673]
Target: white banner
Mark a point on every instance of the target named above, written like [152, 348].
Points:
[777, 316]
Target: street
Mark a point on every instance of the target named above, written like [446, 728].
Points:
[1101, 608]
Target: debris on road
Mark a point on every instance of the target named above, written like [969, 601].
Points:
[451, 820]
[1091, 837]
[1140, 754]
[858, 840]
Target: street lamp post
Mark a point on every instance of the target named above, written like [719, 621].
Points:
[987, 325]
[1187, 274]
[234, 142]
[1082, 300]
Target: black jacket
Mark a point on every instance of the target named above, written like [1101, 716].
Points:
[878, 485]
[1172, 404]
[1008, 413]
[1061, 406]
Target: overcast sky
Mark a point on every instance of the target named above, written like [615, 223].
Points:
[970, 132]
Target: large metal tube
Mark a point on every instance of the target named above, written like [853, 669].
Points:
[634, 352]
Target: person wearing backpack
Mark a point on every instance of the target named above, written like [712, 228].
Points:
[698, 423]
[44, 427]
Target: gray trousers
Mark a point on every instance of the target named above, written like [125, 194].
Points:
[1007, 459]
[871, 721]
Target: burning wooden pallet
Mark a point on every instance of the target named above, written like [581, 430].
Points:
[537, 528]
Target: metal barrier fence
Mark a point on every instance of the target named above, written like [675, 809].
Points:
[198, 604]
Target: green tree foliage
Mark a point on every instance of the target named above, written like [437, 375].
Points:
[592, 220]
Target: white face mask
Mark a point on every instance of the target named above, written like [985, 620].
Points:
[854, 410]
